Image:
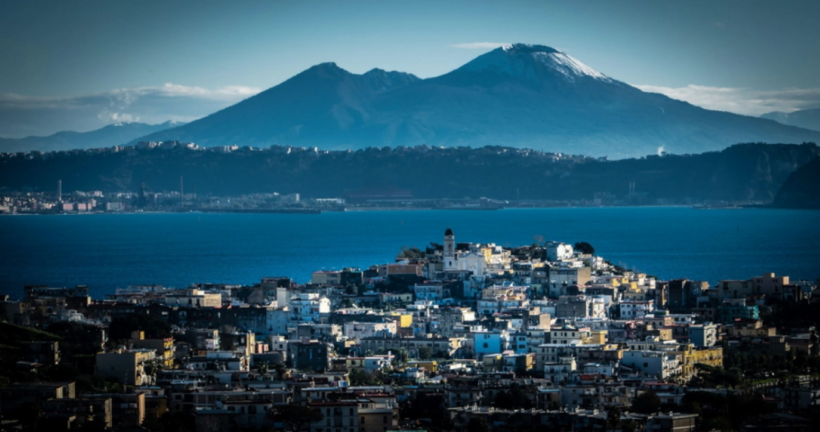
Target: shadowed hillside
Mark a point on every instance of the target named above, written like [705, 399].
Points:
[741, 172]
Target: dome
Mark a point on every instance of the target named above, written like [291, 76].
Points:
[449, 232]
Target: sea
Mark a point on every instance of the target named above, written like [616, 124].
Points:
[110, 251]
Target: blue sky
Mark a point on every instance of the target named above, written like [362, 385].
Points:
[82, 64]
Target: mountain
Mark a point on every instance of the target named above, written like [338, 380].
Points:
[739, 173]
[525, 96]
[802, 189]
[808, 118]
[114, 134]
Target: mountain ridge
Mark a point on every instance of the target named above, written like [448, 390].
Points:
[806, 118]
[518, 95]
[112, 134]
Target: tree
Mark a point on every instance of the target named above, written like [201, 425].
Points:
[516, 398]
[359, 378]
[477, 424]
[402, 355]
[425, 353]
[584, 248]
[296, 417]
[281, 370]
[628, 426]
[613, 418]
[411, 253]
[426, 406]
[646, 403]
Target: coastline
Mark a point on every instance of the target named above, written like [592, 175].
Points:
[319, 210]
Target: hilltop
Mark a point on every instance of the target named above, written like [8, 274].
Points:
[522, 96]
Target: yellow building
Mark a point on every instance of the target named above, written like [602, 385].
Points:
[689, 357]
[404, 320]
[599, 337]
[428, 365]
[164, 347]
[712, 356]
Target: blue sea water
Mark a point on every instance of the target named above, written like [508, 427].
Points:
[106, 251]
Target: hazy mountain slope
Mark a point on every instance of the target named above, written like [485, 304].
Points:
[808, 118]
[802, 188]
[520, 96]
[324, 104]
[115, 134]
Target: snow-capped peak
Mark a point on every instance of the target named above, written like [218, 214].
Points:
[531, 61]
[568, 64]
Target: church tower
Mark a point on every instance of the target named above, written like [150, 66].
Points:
[449, 254]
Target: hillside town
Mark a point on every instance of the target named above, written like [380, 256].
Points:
[457, 336]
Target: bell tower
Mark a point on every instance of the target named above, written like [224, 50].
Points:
[449, 254]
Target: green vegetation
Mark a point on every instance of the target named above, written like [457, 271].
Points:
[740, 172]
[584, 247]
[718, 412]
[427, 408]
[514, 399]
[646, 403]
[411, 253]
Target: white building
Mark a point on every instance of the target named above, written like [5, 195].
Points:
[449, 253]
[636, 309]
[657, 364]
[561, 370]
[192, 297]
[277, 320]
[307, 307]
[430, 291]
[558, 251]
[568, 335]
[702, 335]
[359, 330]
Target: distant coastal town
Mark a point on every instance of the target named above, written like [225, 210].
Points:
[172, 176]
[454, 336]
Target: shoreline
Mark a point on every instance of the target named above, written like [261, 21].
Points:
[314, 211]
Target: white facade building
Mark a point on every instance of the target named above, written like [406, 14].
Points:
[558, 251]
[658, 364]
[308, 307]
[636, 309]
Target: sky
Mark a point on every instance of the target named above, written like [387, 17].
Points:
[79, 65]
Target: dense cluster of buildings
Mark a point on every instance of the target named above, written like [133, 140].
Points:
[467, 323]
